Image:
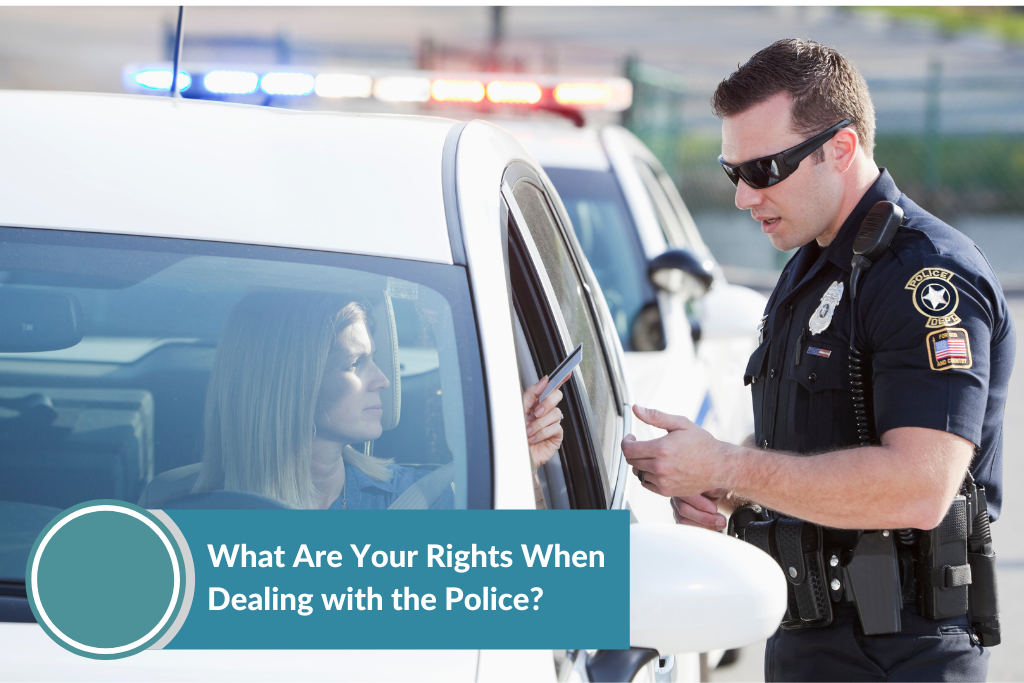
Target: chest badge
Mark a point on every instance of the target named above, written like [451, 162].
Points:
[822, 317]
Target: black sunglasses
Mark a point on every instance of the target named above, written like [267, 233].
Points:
[772, 170]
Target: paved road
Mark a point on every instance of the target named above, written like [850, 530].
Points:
[1007, 663]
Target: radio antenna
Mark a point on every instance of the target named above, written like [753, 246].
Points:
[179, 39]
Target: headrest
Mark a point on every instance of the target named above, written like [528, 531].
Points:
[386, 339]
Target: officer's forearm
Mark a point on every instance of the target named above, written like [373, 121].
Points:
[908, 481]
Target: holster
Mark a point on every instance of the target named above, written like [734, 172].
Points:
[796, 546]
[983, 593]
[943, 573]
[952, 572]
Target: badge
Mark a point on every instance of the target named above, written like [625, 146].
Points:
[949, 348]
[822, 317]
[935, 297]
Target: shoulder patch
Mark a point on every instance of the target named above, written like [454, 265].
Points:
[949, 348]
[935, 297]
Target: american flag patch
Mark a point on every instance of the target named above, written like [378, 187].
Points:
[815, 351]
[949, 348]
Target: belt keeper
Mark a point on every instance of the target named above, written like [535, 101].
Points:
[947, 577]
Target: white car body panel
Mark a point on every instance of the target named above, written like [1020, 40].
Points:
[294, 179]
[251, 194]
[710, 589]
[28, 654]
[483, 154]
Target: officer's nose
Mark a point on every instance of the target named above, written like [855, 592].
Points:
[746, 196]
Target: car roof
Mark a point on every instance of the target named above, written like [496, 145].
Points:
[560, 145]
[368, 184]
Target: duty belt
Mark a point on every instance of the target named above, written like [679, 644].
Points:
[947, 571]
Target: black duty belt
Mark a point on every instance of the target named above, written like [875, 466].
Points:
[947, 571]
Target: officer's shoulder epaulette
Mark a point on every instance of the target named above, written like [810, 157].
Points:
[925, 238]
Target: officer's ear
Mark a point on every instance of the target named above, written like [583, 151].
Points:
[843, 148]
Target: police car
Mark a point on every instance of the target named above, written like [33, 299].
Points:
[132, 227]
[686, 337]
[634, 228]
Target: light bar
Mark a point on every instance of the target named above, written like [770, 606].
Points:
[160, 79]
[457, 91]
[513, 92]
[295, 84]
[343, 85]
[402, 89]
[231, 82]
[582, 94]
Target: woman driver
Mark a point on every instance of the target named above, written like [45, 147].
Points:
[293, 386]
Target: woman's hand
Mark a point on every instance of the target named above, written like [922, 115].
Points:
[543, 422]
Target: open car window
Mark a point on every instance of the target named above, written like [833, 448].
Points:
[128, 364]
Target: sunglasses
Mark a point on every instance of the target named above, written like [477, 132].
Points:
[773, 169]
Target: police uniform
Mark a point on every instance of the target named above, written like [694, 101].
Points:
[932, 320]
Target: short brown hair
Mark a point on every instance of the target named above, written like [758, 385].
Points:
[826, 88]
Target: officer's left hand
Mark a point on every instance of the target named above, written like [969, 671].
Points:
[684, 462]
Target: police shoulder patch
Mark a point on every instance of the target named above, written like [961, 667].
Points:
[949, 348]
[935, 297]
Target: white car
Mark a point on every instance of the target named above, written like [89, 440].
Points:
[132, 227]
[687, 340]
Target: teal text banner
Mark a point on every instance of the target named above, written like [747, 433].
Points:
[297, 579]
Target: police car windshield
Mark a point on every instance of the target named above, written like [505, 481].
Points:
[605, 230]
[126, 361]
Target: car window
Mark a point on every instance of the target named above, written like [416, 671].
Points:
[125, 359]
[667, 220]
[686, 222]
[569, 293]
[574, 478]
[605, 232]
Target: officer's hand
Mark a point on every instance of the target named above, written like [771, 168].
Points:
[700, 510]
[681, 463]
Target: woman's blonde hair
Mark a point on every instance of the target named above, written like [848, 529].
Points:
[263, 394]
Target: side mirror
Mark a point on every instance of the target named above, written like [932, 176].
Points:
[33, 320]
[693, 590]
[680, 271]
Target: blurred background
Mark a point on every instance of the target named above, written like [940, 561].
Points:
[947, 83]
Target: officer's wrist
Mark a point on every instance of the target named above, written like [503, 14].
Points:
[730, 466]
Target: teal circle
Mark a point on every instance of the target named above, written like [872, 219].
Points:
[105, 579]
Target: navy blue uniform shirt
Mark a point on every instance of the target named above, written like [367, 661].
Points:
[930, 316]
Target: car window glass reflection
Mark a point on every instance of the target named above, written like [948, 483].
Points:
[205, 369]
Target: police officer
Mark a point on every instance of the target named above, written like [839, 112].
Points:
[797, 141]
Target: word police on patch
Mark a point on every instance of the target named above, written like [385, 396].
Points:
[935, 297]
[949, 348]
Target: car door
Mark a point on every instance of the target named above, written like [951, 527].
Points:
[555, 308]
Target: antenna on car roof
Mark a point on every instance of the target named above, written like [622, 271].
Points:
[179, 39]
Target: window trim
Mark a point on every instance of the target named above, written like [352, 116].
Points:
[546, 330]
[608, 336]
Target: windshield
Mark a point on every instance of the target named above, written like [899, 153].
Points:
[169, 372]
[605, 231]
